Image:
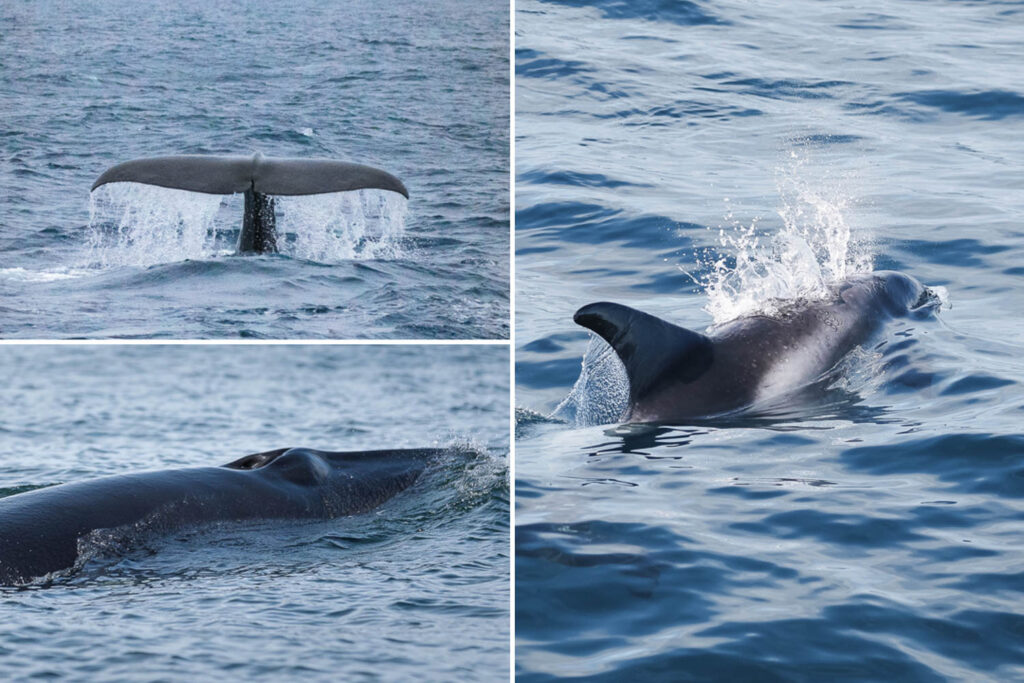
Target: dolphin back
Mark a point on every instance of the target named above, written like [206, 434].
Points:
[265, 175]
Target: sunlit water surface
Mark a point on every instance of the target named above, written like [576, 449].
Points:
[700, 161]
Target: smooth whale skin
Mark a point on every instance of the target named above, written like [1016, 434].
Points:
[259, 177]
[677, 374]
[40, 530]
[266, 175]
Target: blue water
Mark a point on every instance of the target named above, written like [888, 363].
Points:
[694, 160]
[417, 589]
[418, 89]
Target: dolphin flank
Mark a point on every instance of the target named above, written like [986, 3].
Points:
[40, 530]
[678, 374]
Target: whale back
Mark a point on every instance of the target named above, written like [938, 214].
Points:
[41, 530]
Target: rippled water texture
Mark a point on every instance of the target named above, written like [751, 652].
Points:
[695, 160]
[417, 588]
[417, 89]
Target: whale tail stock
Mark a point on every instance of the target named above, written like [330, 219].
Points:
[651, 349]
[258, 177]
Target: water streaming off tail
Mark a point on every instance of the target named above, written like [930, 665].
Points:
[131, 224]
[601, 394]
[342, 225]
[756, 267]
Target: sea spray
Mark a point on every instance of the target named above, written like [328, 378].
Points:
[132, 224]
[761, 263]
[363, 224]
[601, 393]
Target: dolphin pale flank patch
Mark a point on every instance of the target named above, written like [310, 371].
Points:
[41, 530]
[259, 177]
[678, 374]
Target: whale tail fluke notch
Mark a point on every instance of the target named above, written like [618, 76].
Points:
[641, 340]
[259, 177]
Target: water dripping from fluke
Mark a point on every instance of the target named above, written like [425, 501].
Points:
[165, 209]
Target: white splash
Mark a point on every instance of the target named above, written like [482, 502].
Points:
[601, 394]
[131, 224]
[814, 247]
[364, 224]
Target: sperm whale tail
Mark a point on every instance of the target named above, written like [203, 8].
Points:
[259, 177]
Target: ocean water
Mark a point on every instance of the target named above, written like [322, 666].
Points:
[417, 89]
[418, 588]
[699, 161]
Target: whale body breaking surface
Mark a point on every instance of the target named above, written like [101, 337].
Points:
[678, 374]
[42, 531]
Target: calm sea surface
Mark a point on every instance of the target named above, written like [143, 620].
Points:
[418, 89]
[417, 589]
[695, 160]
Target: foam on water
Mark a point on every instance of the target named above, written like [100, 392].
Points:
[131, 224]
[756, 268]
[49, 275]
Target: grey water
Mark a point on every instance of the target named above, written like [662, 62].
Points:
[699, 161]
[417, 89]
[416, 589]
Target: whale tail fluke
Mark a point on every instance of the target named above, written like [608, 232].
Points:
[651, 349]
[259, 177]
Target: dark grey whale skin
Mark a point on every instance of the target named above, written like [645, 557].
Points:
[40, 529]
[676, 374]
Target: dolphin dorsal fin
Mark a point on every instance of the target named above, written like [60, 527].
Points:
[653, 351]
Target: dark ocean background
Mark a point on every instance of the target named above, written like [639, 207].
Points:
[418, 89]
[417, 589]
[695, 160]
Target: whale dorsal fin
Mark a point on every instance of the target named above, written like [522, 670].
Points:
[653, 351]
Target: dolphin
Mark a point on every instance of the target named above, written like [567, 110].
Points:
[258, 177]
[678, 374]
[41, 530]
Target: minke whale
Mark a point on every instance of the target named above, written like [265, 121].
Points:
[677, 374]
[259, 177]
[42, 531]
